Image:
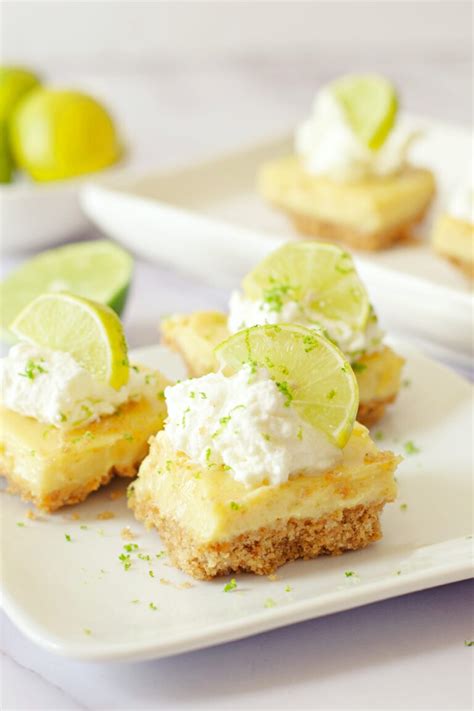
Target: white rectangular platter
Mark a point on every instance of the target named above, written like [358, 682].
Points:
[75, 598]
[209, 220]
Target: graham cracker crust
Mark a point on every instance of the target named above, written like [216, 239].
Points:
[370, 412]
[67, 495]
[313, 227]
[264, 550]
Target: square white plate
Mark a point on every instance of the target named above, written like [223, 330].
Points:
[209, 220]
[75, 598]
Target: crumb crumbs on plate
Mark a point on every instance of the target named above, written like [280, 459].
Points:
[127, 534]
[105, 515]
[117, 494]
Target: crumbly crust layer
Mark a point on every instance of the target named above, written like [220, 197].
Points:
[369, 413]
[68, 495]
[264, 550]
[313, 227]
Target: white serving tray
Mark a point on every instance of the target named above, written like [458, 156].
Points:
[74, 597]
[209, 220]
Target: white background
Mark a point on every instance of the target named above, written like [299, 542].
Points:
[186, 79]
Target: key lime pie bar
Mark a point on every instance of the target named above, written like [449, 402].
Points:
[349, 178]
[313, 284]
[261, 463]
[453, 234]
[73, 412]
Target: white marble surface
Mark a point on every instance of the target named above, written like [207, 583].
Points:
[407, 652]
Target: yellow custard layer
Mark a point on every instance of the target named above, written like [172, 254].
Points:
[369, 205]
[211, 506]
[41, 460]
[454, 238]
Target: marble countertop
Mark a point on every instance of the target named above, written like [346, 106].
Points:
[408, 652]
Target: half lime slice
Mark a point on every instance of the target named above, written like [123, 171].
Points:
[90, 332]
[370, 105]
[97, 270]
[320, 276]
[311, 373]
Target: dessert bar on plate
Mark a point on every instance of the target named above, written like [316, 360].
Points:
[209, 220]
[96, 552]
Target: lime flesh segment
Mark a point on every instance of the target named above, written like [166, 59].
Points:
[370, 105]
[90, 332]
[96, 270]
[322, 276]
[309, 370]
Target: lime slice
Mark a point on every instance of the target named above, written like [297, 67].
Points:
[90, 332]
[96, 270]
[370, 105]
[321, 276]
[58, 134]
[310, 371]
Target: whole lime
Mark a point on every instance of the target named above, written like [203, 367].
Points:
[15, 83]
[58, 134]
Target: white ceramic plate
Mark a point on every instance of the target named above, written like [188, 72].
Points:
[209, 220]
[75, 598]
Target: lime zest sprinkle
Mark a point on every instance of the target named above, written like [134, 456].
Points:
[234, 506]
[231, 585]
[124, 558]
[152, 606]
[283, 387]
[87, 631]
[379, 435]
[358, 367]
[469, 642]
[136, 601]
[151, 574]
[128, 437]
[288, 588]
[67, 537]
[269, 602]
[410, 447]
[129, 547]
[20, 524]
[33, 369]
[403, 507]
[299, 434]
[350, 574]
[331, 394]
[161, 554]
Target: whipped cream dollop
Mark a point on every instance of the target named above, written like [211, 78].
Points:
[53, 388]
[461, 203]
[244, 313]
[245, 423]
[328, 146]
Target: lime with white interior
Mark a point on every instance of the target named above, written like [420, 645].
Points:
[311, 373]
[88, 331]
[97, 270]
[320, 276]
[370, 105]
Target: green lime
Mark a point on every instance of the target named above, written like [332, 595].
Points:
[310, 371]
[321, 276]
[370, 104]
[6, 161]
[98, 270]
[59, 134]
[15, 83]
[90, 332]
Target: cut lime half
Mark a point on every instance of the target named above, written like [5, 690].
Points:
[370, 105]
[310, 371]
[320, 276]
[97, 270]
[90, 332]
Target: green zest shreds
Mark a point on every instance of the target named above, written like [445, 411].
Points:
[306, 367]
[358, 367]
[33, 369]
[277, 294]
[269, 602]
[232, 585]
[411, 448]
[234, 506]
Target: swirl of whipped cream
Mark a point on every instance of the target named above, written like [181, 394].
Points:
[328, 146]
